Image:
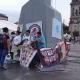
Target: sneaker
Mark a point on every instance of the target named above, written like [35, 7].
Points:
[3, 68]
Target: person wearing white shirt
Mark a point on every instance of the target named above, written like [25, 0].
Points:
[17, 41]
[27, 36]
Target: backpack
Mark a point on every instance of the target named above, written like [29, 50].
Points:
[1, 41]
[5, 45]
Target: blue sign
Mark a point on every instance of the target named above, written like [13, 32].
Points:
[56, 29]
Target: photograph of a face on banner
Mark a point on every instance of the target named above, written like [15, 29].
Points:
[34, 29]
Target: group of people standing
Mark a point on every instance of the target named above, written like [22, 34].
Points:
[10, 43]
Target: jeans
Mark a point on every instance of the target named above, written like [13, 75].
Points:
[3, 53]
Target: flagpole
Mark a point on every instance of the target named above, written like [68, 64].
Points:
[55, 4]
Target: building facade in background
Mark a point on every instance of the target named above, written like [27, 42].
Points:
[3, 17]
[75, 16]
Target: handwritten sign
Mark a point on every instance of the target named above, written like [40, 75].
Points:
[27, 55]
[50, 57]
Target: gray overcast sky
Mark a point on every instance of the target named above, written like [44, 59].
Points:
[12, 8]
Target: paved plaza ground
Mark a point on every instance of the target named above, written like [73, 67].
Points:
[68, 71]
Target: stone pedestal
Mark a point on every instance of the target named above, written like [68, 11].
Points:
[40, 10]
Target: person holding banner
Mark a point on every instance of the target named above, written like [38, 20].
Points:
[64, 49]
[37, 44]
[40, 40]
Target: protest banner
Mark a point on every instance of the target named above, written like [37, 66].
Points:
[27, 54]
[50, 57]
[64, 49]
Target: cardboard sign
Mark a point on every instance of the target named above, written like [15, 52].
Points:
[64, 49]
[27, 55]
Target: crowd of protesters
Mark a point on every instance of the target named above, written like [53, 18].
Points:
[11, 43]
